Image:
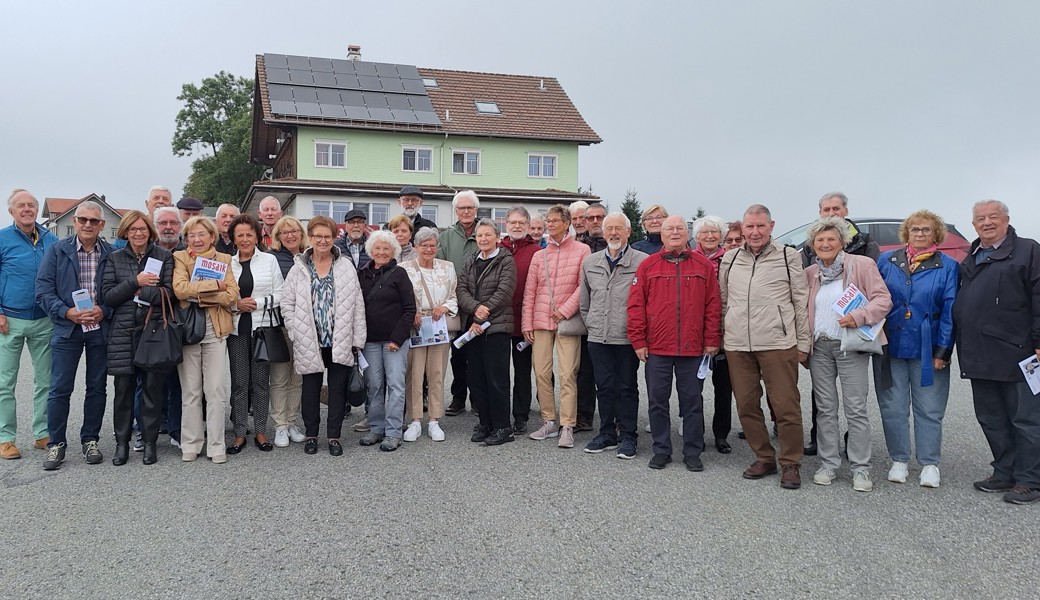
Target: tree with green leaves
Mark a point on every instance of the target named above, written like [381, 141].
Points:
[634, 212]
[215, 125]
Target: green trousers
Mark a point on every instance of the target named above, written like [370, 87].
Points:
[36, 334]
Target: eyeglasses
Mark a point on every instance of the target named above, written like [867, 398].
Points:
[167, 223]
[321, 238]
[198, 235]
[93, 222]
[656, 218]
[137, 230]
[734, 240]
[289, 232]
[596, 218]
[521, 223]
[428, 246]
[465, 208]
[356, 222]
[920, 231]
[553, 221]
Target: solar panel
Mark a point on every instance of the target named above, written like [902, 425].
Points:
[413, 86]
[301, 77]
[386, 70]
[427, 118]
[365, 68]
[305, 94]
[376, 100]
[398, 102]
[403, 116]
[347, 81]
[381, 114]
[283, 107]
[280, 92]
[328, 96]
[307, 109]
[277, 75]
[369, 82]
[275, 60]
[333, 111]
[408, 72]
[299, 62]
[352, 98]
[392, 85]
[325, 79]
[357, 113]
[322, 65]
[343, 66]
[421, 103]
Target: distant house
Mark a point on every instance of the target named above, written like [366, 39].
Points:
[57, 215]
[348, 134]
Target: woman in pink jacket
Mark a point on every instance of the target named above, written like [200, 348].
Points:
[834, 270]
[551, 296]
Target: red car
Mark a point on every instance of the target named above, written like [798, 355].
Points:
[886, 233]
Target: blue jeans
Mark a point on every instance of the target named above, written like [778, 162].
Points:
[385, 415]
[929, 407]
[65, 355]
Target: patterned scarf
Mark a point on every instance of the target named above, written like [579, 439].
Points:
[833, 272]
[916, 257]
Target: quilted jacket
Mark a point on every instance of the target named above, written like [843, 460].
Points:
[349, 329]
[493, 288]
[564, 260]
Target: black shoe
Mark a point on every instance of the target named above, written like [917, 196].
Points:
[236, 448]
[1022, 495]
[740, 434]
[480, 433]
[723, 447]
[122, 454]
[582, 426]
[55, 456]
[456, 408]
[263, 446]
[310, 446]
[335, 448]
[693, 463]
[659, 461]
[519, 427]
[992, 485]
[809, 450]
[499, 437]
[164, 431]
[150, 455]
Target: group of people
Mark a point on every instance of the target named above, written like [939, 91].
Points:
[578, 305]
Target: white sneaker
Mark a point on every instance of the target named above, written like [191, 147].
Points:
[897, 474]
[295, 435]
[861, 481]
[823, 477]
[930, 476]
[281, 437]
[174, 442]
[435, 431]
[547, 430]
[413, 432]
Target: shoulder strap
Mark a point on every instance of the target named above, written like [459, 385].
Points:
[375, 284]
[730, 266]
[422, 280]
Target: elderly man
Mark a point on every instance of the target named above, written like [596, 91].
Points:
[457, 244]
[764, 303]
[536, 229]
[606, 278]
[594, 216]
[225, 214]
[522, 246]
[158, 196]
[673, 323]
[836, 204]
[997, 317]
[593, 219]
[22, 321]
[411, 200]
[189, 207]
[71, 265]
[168, 224]
[353, 244]
[577, 210]
[269, 211]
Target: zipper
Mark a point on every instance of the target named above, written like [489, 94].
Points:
[754, 263]
[783, 327]
[678, 307]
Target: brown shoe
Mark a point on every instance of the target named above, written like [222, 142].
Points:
[760, 469]
[8, 451]
[41, 444]
[791, 478]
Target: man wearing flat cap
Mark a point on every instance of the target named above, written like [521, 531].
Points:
[353, 244]
[411, 199]
[189, 207]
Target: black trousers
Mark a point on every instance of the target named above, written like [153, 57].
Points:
[458, 374]
[488, 372]
[1010, 418]
[586, 386]
[659, 372]
[310, 405]
[722, 421]
[152, 385]
[522, 388]
[617, 371]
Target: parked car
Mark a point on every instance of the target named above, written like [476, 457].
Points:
[886, 233]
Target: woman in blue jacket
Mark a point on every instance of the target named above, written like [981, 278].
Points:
[914, 371]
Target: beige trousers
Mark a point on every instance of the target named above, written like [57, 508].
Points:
[568, 352]
[286, 387]
[204, 370]
[431, 361]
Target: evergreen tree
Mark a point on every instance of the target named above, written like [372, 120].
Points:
[634, 213]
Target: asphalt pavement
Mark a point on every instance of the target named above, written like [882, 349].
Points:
[526, 519]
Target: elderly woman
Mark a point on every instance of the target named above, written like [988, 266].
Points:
[205, 364]
[434, 283]
[828, 279]
[708, 233]
[260, 287]
[653, 218]
[122, 282]
[390, 312]
[325, 319]
[486, 296]
[288, 239]
[913, 372]
[401, 227]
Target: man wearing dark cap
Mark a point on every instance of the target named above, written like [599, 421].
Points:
[189, 208]
[411, 199]
[352, 245]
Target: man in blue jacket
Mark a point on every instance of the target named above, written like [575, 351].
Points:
[76, 263]
[22, 321]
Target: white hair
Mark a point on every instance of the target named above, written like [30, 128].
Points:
[465, 194]
[578, 205]
[159, 188]
[1003, 207]
[91, 205]
[616, 214]
[383, 236]
[173, 210]
[709, 221]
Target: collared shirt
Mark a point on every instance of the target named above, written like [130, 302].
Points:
[88, 265]
[990, 248]
[613, 262]
[493, 254]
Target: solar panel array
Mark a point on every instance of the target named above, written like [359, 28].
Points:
[345, 89]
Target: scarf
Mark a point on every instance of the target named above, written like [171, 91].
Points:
[916, 257]
[833, 272]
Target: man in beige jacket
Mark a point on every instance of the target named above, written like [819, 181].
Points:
[766, 336]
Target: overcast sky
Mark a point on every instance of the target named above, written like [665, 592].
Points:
[901, 105]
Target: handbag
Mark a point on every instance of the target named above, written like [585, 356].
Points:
[159, 347]
[192, 319]
[357, 390]
[573, 326]
[269, 343]
[454, 322]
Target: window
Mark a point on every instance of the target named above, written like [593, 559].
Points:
[429, 212]
[429, 82]
[330, 154]
[417, 159]
[375, 214]
[488, 108]
[334, 210]
[465, 162]
[541, 165]
[69, 230]
[379, 214]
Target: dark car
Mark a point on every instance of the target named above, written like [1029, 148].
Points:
[886, 233]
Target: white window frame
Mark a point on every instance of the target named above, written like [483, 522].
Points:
[330, 144]
[429, 211]
[465, 152]
[541, 165]
[416, 149]
[487, 107]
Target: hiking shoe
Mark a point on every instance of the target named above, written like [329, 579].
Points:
[993, 485]
[390, 444]
[55, 456]
[627, 450]
[91, 453]
[790, 477]
[930, 476]
[547, 430]
[370, 439]
[898, 472]
[600, 443]
[823, 477]
[499, 437]
[1022, 495]
[566, 437]
[861, 481]
[480, 433]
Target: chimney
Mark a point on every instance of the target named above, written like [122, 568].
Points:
[354, 52]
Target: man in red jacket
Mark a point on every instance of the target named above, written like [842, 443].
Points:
[674, 320]
[523, 247]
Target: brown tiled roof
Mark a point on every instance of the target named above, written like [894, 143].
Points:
[531, 106]
[59, 206]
